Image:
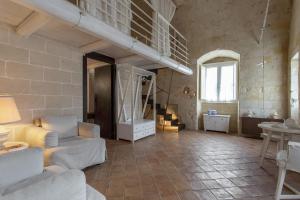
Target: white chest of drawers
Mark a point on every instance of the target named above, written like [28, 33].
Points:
[216, 122]
[138, 130]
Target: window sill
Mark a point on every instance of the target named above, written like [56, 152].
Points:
[220, 102]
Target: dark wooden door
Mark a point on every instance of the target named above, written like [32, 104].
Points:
[104, 100]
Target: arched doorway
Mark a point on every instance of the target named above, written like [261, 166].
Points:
[217, 58]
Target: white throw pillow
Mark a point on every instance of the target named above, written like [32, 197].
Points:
[64, 126]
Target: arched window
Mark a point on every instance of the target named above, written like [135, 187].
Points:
[218, 85]
[219, 76]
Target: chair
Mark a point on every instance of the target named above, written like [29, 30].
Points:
[67, 142]
[288, 160]
[266, 142]
[23, 176]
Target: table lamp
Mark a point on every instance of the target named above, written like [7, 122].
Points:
[8, 113]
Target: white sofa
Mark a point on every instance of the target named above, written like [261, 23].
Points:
[67, 142]
[22, 176]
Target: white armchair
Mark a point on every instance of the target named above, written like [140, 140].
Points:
[67, 142]
[288, 160]
[22, 176]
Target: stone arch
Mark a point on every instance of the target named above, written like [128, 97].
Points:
[218, 53]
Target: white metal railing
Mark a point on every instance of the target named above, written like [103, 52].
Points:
[141, 21]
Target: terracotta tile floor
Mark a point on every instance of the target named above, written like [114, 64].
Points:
[185, 166]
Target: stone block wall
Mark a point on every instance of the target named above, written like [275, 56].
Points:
[44, 76]
[235, 25]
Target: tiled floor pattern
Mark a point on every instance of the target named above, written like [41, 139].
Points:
[185, 166]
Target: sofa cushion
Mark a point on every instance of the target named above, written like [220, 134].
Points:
[48, 172]
[92, 194]
[88, 130]
[67, 185]
[28, 181]
[19, 165]
[64, 126]
[77, 152]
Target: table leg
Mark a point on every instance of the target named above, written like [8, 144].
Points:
[265, 148]
[281, 144]
[262, 146]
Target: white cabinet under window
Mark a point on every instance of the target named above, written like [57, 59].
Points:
[216, 123]
[137, 130]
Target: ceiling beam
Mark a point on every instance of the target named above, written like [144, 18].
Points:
[32, 23]
[95, 46]
[152, 66]
[133, 59]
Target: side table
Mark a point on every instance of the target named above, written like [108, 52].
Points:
[13, 146]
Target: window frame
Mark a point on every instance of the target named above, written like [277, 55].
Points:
[219, 66]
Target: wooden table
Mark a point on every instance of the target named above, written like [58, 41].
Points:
[276, 129]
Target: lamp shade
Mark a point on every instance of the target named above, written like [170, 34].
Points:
[8, 110]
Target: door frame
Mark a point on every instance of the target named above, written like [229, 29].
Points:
[295, 57]
[109, 61]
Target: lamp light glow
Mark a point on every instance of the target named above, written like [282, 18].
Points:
[8, 113]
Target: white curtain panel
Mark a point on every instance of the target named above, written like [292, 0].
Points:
[116, 13]
[160, 33]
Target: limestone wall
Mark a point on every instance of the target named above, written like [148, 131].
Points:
[44, 76]
[295, 29]
[235, 25]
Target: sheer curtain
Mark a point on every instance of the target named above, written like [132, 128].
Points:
[160, 33]
[116, 13]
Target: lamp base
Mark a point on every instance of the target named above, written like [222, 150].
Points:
[4, 132]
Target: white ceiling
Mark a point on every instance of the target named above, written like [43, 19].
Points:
[115, 52]
[60, 31]
[12, 13]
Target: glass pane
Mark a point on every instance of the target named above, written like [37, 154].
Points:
[227, 84]
[211, 84]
